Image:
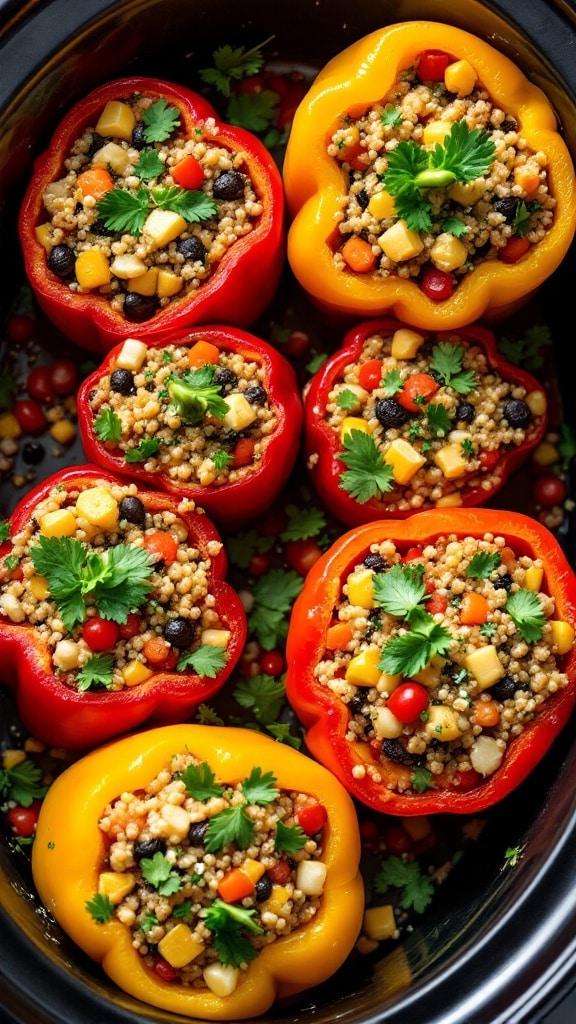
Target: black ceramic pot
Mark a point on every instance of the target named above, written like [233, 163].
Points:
[499, 946]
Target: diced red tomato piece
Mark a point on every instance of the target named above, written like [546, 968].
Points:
[188, 173]
[432, 64]
[417, 391]
[312, 818]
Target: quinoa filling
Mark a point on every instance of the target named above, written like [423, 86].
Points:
[205, 423]
[122, 227]
[205, 875]
[114, 591]
[433, 421]
[411, 216]
[451, 648]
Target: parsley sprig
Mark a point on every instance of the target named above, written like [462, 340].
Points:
[464, 155]
[446, 361]
[416, 890]
[228, 922]
[401, 592]
[125, 212]
[231, 64]
[22, 783]
[367, 475]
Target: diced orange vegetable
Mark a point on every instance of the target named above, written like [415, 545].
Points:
[358, 255]
[486, 713]
[95, 182]
[235, 885]
[243, 452]
[515, 248]
[338, 636]
[156, 650]
[203, 352]
[473, 609]
[188, 173]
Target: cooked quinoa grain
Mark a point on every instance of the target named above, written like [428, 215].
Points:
[205, 875]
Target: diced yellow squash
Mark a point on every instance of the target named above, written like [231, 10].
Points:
[362, 670]
[163, 226]
[43, 233]
[460, 77]
[379, 922]
[180, 946]
[381, 205]
[132, 355]
[451, 460]
[168, 284]
[112, 156]
[221, 979]
[240, 413]
[97, 505]
[467, 192]
[117, 120]
[430, 676]
[453, 500]
[145, 284]
[485, 665]
[63, 431]
[399, 243]
[533, 578]
[11, 757]
[562, 635]
[448, 252]
[350, 423]
[10, 429]
[253, 868]
[127, 267]
[385, 724]
[92, 269]
[136, 672]
[405, 343]
[60, 523]
[387, 682]
[435, 131]
[278, 897]
[116, 885]
[404, 459]
[360, 588]
[38, 586]
[442, 723]
[215, 637]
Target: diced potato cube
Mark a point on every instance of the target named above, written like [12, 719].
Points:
[430, 676]
[215, 637]
[533, 578]
[485, 665]
[381, 205]
[127, 267]
[404, 459]
[310, 877]
[435, 131]
[405, 343]
[180, 946]
[10, 607]
[562, 635]
[117, 120]
[97, 505]
[163, 226]
[60, 523]
[379, 922]
[360, 588]
[177, 819]
[362, 670]
[442, 723]
[145, 284]
[460, 77]
[92, 269]
[451, 460]
[486, 755]
[385, 724]
[387, 682]
[66, 655]
[350, 423]
[399, 243]
[132, 355]
[168, 284]
[448, 252]
[113, 156]
[467, 192]
[43, 233]
[220, 979]
[38, 586]
[135, 672]
[240, 413]
[116, 885]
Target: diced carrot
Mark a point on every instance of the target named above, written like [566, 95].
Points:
[243, 452]
[235, 885]
[486, 713]
[515, 248]
[358, 255]
[156, 650]
[473, 609]
[527, 178]
[338, 636]
[160, 546]
[203, 352]
[95, 182]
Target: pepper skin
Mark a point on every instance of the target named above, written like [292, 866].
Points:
[232, 503]
[323, 442]
[315, 184]
[69, 852]
[240, 287]
[62, 715]
[326, 717]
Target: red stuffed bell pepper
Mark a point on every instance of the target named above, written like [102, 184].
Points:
[114, 611]
[214, 416]
[432, 659]
[399, 420]
[146, 209]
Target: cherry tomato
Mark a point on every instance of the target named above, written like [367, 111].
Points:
[164, 970]
[302, 554]
[39, 385]
[515, 248]
[549, 490]
[466, 780]
[280, 873]
[30, 416]
[432, 65]
[398, 840]
[259, 564]
[161, 546]
[63, 376]
[20, 327]
[408, 701]
[272, 663]
[24, 820]
[412, 555]
[130, 628]
[370, 374]
[417, 391]
[297, 344]
[100, 634]
[436, 284]
[311, 818]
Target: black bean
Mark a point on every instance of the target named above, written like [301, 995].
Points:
[465, 412]
[148, 847]
[504, 689]
[139, 136]
[394, 750]
[356, 704]
[255, 395]
[97, 142]
[503, 582]
[375, 562]
[191, 249]
[132, 509]
[99, 228]
[390, 413]
[262, 889]
[517, 412]
[61, 261]
[33, 453]
[229, 185]
[197, 832]
[362, 199]
[509, 124]
[179, 632]
[122, 382]
[139, 308]
[507, 206]
[225, 378]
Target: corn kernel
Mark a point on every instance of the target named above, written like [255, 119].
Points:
[215, 637]
[435, 131]
[562, 635]
[405, 343]
[533, 578]
[10, 429]
[381, 206]
[63, 431]
[460, 77]
[168, 284]
[360, 588]
[38, 586]
[135, 672]
[448, 252]
[350, 423]
[98, 506]
[362, 670]
[180, 946]
[467, 193]
[277, 899]
[42, 233]
[536, 402]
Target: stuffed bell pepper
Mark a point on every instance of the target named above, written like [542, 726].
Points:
[432, 659]
[399, 420]
[146, 209]
[114, 610]
[211, 871]
[426, 178]
[214, 416]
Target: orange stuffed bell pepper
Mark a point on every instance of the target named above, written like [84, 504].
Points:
[145, 209]
[432, 659]
[148, 855]
[426, 178]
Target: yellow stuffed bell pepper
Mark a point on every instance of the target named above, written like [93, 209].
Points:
[426, 178]
[210, 870]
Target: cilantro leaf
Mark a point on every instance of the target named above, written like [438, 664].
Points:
[191, 204]
[391, 117]
[446, 361]
[525, 610]
[60, 560]
[410, 652]
[123, 211]
[108, 426]
[233, 63]
[527, 350]
[232, 825]
[22, 783]
[263, 695]
[147, 448]
[438, 419]
[227, 922]
[454, 226]
[367, 475]
[259, 788]
[199, 782]
[483, 564]
[207, 661]
[149, 165]
[289, 838]
[125, 582]
[347, 400]
[416, 889]
[392, 383]
[303, 523]
[243, 545]
[222, 459]
[281, 732]
[160, 121]
[194, 395]
[100, 908]
[421, 779]
[206, 715]
[4, 530]
[255, 112]
[400, 589]
[96, 671]
[269, 625]
[159, 873]
[274, 594]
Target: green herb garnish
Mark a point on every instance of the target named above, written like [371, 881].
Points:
[158, 871]
[207, 661]
[100, 908]
[108, 426]
[415, 888]
[160, 121]
[22, 783]
[446, 362]
[525, 610]
[227, 922]
[233, 64]
[194, 395]
[367, 475]
[97, 671]
[401, 592]
[147, 449]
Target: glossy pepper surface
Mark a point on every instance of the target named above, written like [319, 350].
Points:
[258, 478]
[315, 183]
[377, 781]
[489, 468]
[238, 288]
[69, 854]
[69, 716]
